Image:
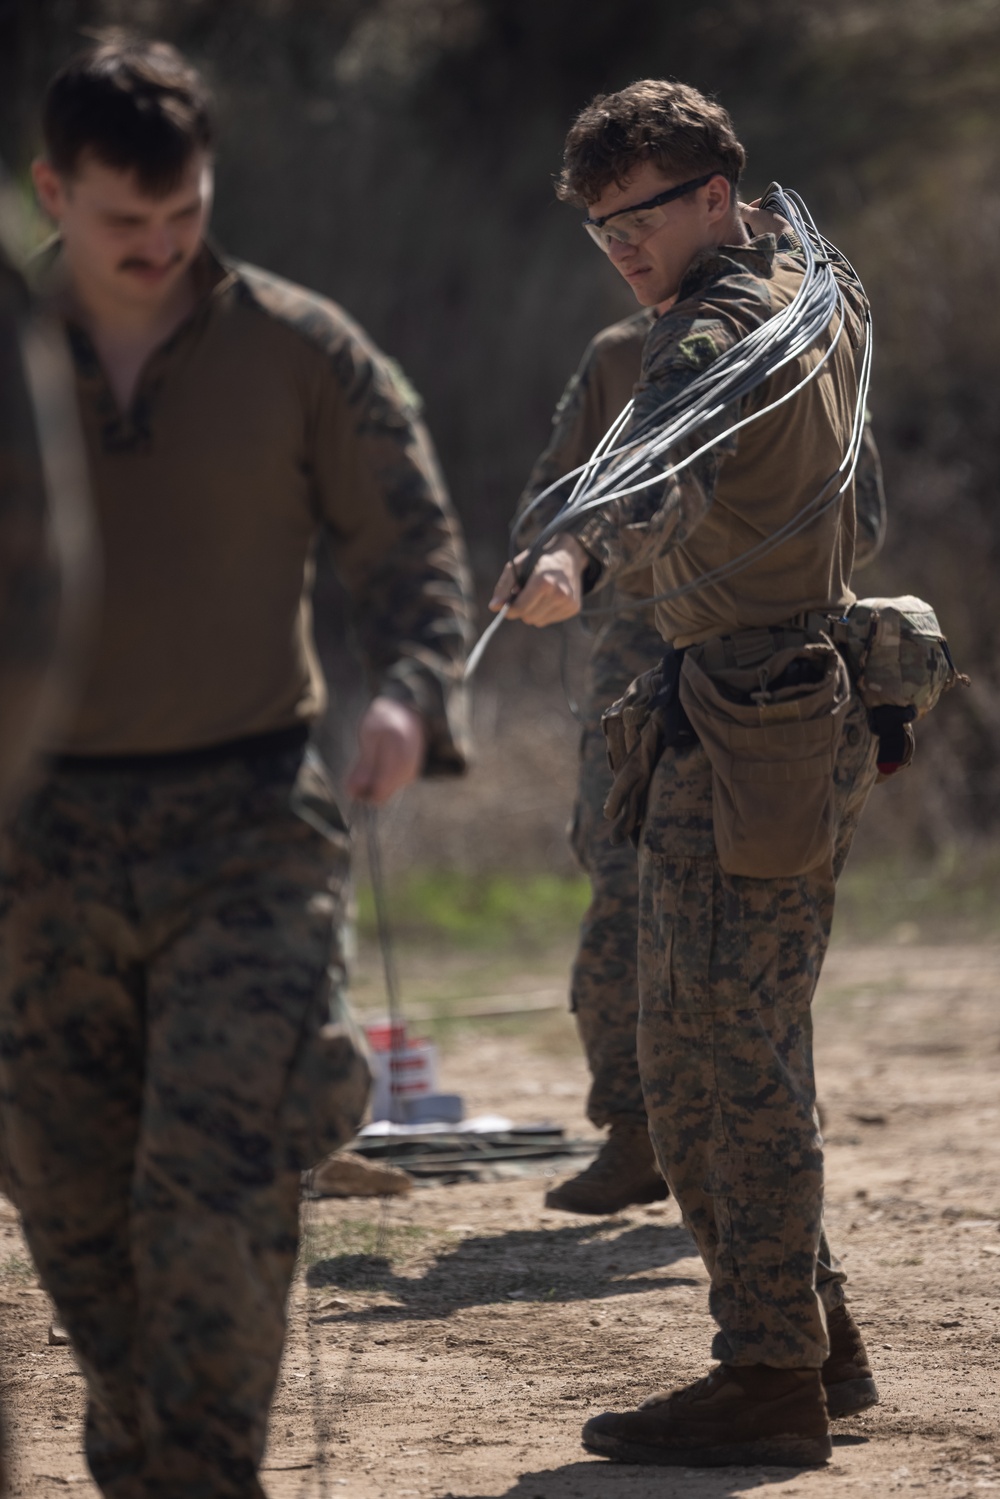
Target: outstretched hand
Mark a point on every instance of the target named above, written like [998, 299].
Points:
[392, 743]
[553, 592]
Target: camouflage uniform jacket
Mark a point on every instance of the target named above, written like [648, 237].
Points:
[267, 418]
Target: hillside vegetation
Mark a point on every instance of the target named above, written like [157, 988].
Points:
[398, 155]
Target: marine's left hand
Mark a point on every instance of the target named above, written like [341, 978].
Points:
[554, 591]
[762, 221]
[392, 743]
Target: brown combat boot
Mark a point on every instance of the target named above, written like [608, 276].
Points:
[623, 1172]
[847, 1374]
[746, 1415]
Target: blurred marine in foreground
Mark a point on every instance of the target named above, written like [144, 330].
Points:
[176, 1044]
[46, 564]
[45, 560]
[604, 987]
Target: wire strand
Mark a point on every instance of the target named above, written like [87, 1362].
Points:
[387, 950]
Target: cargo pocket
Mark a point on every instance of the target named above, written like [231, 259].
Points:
[328, 1087]
[771, 733]
[691, 943]
[330, 1078]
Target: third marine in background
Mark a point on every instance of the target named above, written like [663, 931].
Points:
[604, 988]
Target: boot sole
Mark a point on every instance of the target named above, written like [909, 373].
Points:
[772, 1452]
[849, 1396]
[658, 1193]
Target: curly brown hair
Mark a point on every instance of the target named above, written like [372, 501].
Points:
[673, 124]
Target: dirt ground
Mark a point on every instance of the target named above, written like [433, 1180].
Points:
[452, 1343]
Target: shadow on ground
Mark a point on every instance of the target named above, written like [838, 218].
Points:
[598, 1480]
[576, 1263]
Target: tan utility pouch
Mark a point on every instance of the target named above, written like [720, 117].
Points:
[634, 733]
[770, 730]
[643, 723]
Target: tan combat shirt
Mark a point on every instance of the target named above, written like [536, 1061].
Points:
[266, 418]
[743, 491]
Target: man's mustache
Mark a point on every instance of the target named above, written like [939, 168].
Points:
[136, 263]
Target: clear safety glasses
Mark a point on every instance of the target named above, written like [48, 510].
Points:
[632, 225]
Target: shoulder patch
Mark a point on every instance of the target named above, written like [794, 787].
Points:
[697, 350]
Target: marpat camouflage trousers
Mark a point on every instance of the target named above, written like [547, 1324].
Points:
[604, 986]
[727, 970]
[168, 1065]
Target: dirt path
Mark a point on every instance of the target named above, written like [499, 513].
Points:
[452, 1343]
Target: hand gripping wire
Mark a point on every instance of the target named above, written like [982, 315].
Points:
[618, 468]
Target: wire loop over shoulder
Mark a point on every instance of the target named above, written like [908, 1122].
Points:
[617, 468]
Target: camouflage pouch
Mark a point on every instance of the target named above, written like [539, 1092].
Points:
[900, 664]
[329, 1083]
[896, 653]
[328, 1086]
[770, 728]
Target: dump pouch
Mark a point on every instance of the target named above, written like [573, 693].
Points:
[770, 728]
[897, 654]
[637, 729]
[900, 664]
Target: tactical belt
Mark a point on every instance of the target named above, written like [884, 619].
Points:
[741, 649]
[747, 647]
[889, 724]
[252, 747]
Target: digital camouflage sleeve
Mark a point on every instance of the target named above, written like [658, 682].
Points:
[395, 538]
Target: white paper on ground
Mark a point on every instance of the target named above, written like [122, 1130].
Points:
[482, 1124]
